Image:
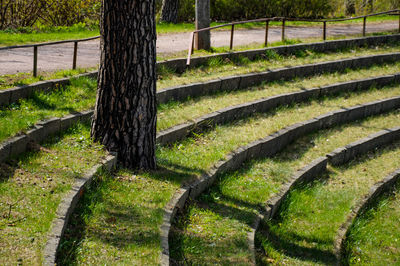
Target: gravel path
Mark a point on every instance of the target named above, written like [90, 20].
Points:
[60, 56]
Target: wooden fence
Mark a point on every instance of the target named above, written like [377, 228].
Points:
[283, 20]
[192, 35]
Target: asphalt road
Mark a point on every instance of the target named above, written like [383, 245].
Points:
[57, 57]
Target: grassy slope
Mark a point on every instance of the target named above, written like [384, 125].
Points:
[214, 69]
[215, 227]
[33, 185]
[309, 219]
[374, 238]
[82, 93]
[179, 164]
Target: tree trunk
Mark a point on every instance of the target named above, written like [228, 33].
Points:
[125, 114]
[369, 6]
[350, 7]
[169, 11]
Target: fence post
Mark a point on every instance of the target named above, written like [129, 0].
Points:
[266, 32]
[75, 55]
[193, 42]
[232, 31]
[35, 58]
[283, 30]
[191, 47]
[364, 26]
[324, 34]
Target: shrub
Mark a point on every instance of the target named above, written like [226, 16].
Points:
[19, 13]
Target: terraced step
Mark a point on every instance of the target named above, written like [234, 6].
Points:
[218, 76]
[179, 65]
[179, 164]
[305, 229]
[374, 236]
[219, 226]
[80, 96]
[31, 189]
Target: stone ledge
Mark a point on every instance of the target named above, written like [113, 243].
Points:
[239, 82]
[67, 206]
[19, 144]
[383, 186]
[265, 147]
[9, 96]
[264, 105]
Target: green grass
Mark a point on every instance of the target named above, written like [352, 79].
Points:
[179, 164]
[81, 96]
[374, 238]
[81, 31]
[213, 69]
[19, 117]
[218, 68]
[308, 221]
[215, 227]
[174, 113]
[20, 79]
[33, 185]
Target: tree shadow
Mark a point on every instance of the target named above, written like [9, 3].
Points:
[125, 225]
[285, 245]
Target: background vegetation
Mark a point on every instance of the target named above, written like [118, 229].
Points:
[28, 15]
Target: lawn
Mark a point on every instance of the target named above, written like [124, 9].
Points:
[82, 31]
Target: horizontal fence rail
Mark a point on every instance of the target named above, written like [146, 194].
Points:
[36, 46]
[192, 34]
[284, 20]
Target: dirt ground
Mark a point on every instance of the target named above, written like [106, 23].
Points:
[60, 56]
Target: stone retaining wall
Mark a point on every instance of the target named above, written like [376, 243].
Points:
[386, 185]
[67, 207]
[181, 93]
[12, 95]
[262, 148]
[228, 114]
[20, 144]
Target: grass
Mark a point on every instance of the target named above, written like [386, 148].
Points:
[179, 164]
[374, 238]
[31, 187]
[305, 230]
[81, 96]
[167, 77]
[217, 68]
[174, 113]
[214, 229]
[19, 117]
[81, 31]
[20, 79]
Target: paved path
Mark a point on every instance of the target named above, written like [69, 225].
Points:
[60, 56]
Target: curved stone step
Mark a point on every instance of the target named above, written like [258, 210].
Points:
[12, 95]
[261, 149]
[229, 114]
[386, 185]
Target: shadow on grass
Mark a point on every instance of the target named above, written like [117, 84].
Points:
[125, 225]
[284, 242]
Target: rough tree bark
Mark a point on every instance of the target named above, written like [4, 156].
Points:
[125, 113]
[169, 11]
[350, 7]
